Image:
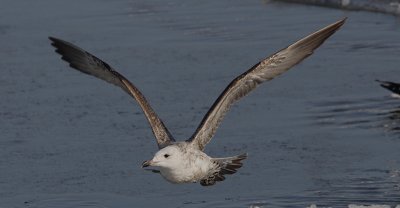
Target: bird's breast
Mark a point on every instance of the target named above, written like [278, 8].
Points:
[190, 171]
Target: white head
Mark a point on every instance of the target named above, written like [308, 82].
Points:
[168, 157]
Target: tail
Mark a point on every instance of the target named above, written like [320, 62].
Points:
[392, 86]
[225, 166]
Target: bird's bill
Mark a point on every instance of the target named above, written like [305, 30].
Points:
[147, 163]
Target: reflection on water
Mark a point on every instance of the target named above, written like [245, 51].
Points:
[364, 113]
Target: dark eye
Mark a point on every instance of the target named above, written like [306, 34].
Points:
[166, 155]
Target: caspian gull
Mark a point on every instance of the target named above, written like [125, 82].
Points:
[185, 161]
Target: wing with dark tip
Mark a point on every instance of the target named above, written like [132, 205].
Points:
[392, 86]
[224, 166]
[85, 62]
[265, 70]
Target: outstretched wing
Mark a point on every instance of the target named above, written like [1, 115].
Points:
[87, 63]
[263, 71]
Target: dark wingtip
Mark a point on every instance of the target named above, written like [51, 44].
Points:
[53, 40]
[392, 86]
[58, 42]
[336, 25]
[55, 43]
[242, 156]
[384, 83]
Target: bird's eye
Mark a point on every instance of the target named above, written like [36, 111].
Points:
[166, 155]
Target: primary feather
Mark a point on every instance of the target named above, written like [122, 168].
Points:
[87, 63]
[265, 70]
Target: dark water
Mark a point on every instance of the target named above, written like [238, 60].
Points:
[382, 6]
[324, 133]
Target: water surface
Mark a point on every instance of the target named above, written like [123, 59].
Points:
[324, 133]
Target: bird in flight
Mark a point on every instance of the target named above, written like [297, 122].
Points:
[185, 161]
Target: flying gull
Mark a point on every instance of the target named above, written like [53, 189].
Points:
[185, 161]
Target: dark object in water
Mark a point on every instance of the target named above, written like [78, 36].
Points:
[392, 86]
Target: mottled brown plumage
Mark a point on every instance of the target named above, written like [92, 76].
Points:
[185, 162]
[89, 64]
[265, 70]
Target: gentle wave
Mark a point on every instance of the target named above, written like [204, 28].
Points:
[382, 6]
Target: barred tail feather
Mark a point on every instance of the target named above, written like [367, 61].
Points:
[226, 166]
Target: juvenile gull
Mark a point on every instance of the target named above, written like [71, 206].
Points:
[185, 161]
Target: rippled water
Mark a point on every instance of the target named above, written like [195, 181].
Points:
[381, 113]
[325, 133]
